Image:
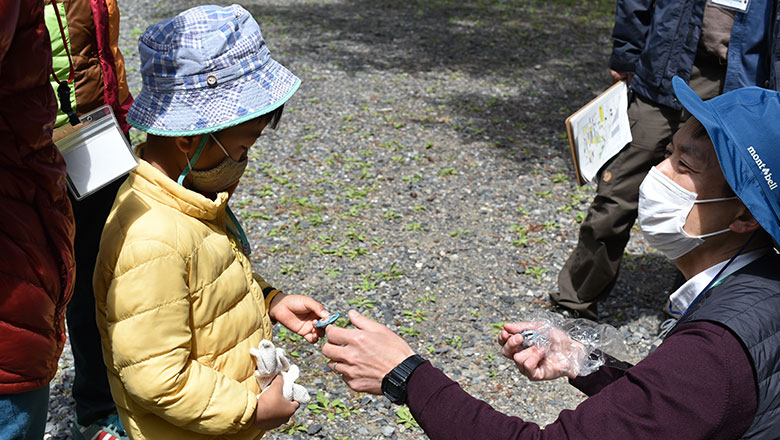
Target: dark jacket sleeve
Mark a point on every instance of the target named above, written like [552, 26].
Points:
[612, 370]
[701, 374]
[632, 23]
[8, 20]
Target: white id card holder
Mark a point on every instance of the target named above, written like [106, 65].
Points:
[96, 153]
[737, 5]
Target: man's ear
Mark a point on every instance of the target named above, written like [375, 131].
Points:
[187, 144]
[744, 221]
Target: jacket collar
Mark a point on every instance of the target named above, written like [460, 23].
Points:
[155, 184]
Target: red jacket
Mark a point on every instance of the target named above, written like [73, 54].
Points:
[36, 221]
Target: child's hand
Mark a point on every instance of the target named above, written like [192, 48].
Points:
[273, 409]
[298, 313]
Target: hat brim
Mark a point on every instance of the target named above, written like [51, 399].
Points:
[209, 110]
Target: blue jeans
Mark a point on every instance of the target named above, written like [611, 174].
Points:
[23, 415]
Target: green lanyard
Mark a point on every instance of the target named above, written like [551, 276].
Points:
[238, 233]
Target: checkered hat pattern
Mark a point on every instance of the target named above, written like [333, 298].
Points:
[204, 70]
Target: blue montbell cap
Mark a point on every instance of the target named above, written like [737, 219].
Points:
[744, 126]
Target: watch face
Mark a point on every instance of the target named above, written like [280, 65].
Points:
[392, 389]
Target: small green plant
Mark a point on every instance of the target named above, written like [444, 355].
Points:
[522, 211]
[356, 252]
[354, 235]
[405, 417]
[288, 269]
[497, 326]
[315, 219]
[284, 335]
[292, 428]
[417, 315]
[275, 249]
[544, 194]
[367, 284]
[413, 179]
[460, 232]
[390, 214]
[248, 215]
[580, 217]
[393, 273]
[536, 271]
[361, 302]
[455, 341]
[264, 191]
[447, 172]
[331, 408]
[522, 235]
[378, 242]
[409, 331]
[418, 208]
[333, 272]
[428, 298]
[414, 227]
[560, 178]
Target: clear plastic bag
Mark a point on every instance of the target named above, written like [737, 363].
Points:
[596, 339]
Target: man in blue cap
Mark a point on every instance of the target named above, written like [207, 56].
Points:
[714, 205]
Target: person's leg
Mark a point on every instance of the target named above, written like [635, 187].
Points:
[592, 268]
[90, 385]
[23, 415]
[591, 271]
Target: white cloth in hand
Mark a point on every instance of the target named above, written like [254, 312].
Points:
[272, 361]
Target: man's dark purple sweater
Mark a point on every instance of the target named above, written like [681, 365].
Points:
[698, 384]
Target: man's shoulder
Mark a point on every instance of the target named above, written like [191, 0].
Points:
[747, 302]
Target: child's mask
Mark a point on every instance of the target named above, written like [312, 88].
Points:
[216, 179]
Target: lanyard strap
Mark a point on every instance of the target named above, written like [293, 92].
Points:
[713, 282]
[63, 90]
[238, 233]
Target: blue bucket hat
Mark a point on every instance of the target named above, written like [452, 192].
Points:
[744, 126]
[204, 70]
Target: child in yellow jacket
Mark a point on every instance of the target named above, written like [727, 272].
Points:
[178, 306]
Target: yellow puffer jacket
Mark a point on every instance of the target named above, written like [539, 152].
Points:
[178, 309]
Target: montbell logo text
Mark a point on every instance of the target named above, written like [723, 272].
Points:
[762, 168]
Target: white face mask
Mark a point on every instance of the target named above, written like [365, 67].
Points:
[216, 179]
[663, 209]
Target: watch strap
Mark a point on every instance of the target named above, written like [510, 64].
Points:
[399, 378]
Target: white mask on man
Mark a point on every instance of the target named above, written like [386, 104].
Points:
[663, 209]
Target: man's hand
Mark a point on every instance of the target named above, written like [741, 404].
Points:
[298, 313]
[620, 76]
[364, 355]
[561, 356]
[273, 409]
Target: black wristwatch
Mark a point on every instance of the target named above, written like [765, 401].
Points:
[395, 382]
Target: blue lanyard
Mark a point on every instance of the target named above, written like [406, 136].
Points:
[712, 281]
[238, 233]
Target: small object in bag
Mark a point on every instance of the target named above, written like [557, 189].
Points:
[532, 337]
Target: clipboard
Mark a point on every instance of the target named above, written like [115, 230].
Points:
[598, 131]
[96, 153]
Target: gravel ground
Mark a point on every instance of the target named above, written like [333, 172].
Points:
[422, 176]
